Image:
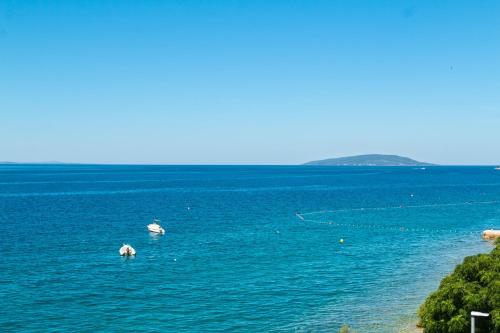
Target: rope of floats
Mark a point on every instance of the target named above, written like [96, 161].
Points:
[303, 217]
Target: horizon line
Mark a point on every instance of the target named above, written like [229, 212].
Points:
[233, 164]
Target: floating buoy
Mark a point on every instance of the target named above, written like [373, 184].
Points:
[341, 241]
[127, 250]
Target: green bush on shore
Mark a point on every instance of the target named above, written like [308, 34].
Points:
[346, 329]
[473, 286]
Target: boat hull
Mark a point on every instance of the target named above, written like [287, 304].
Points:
[156, 229]
[127, 251]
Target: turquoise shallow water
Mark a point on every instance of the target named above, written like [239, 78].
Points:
[238, 259]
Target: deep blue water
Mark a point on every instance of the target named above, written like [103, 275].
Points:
[238, 259]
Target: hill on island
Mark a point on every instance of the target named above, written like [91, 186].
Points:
[369, 160]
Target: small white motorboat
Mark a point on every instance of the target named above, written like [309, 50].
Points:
[156, 227]
[127, 250]
[497, 168]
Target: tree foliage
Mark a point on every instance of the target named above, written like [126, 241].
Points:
[473, 286]
[346, 329]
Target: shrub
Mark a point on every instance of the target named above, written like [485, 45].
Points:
[346, 329]
[473, 286]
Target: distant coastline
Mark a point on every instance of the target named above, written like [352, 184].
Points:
[370, 160]
[359, 160]
[49, 162]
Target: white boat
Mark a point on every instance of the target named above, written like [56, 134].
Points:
[497, 168]
[156, 227]
[127, 250]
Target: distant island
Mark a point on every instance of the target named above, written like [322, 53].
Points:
[48, 162]
[369, 160]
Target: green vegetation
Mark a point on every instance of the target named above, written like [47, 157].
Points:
[346, 329]
[370, 160]
[473, 286]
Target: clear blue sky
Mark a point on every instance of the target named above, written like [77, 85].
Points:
[250, 82]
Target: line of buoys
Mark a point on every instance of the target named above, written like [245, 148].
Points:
[302, 217]
[467, 203]
[385, 227]
[299, 216]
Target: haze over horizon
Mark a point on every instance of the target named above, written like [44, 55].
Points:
[249, 82]
[364, 161]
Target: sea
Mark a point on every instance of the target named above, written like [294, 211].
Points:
[246, 248]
